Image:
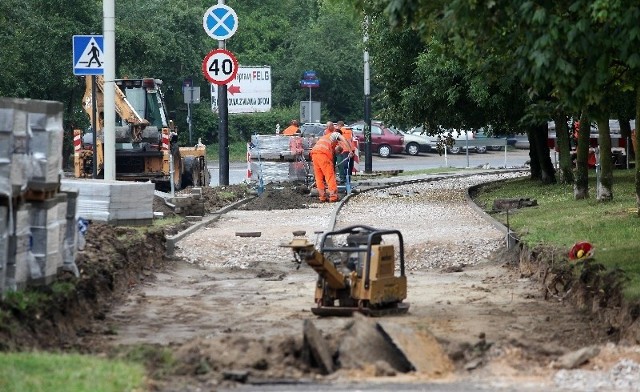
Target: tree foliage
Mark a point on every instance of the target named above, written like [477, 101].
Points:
[166, 40]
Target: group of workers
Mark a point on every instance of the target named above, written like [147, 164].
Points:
[336, 148]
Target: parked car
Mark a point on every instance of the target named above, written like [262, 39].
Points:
[414, 143]
[312, 129]
[461, 139]
[384, 141]
[522, 142]
[480, 134]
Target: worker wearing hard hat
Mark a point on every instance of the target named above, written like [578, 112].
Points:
[292, 129]
[322, 156]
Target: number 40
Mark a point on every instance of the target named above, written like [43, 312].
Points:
[227, 66]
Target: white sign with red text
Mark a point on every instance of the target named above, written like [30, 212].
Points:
[248, 92]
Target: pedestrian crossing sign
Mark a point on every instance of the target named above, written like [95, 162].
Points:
[88, 55]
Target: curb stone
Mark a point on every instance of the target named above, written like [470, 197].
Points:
[171, 241]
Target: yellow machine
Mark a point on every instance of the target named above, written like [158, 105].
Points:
[368, 282]
[146, 138]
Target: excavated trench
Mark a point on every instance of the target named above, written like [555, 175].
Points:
[239, 313]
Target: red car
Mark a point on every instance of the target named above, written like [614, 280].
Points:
[383, 141]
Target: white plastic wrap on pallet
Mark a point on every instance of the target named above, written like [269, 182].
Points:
[4, 246]
[278, 171]
[13, 116]
[47, 234]
[270, 147]
[72, 203]
[70, 247]
[15, 154]
[70, 233]
[6, 139]
[112, 200]
[20, 263]
[45, 122]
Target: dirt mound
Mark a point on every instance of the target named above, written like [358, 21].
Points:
[57, 316]
[218, 197]
[281, 197]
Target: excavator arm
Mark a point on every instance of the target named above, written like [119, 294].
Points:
[123, 107]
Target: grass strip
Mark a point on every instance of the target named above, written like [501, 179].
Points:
[39, 372]
[559, 220]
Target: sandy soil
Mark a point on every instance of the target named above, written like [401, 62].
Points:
[240, 309]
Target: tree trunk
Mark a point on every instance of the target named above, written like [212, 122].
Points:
[637, 142]
[563, 147]
[534, 162]
[540, 137]
[625, 134]
[605, 169]
[581, 186]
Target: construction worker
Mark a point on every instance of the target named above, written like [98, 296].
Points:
[349, 163]
[330, 128]
[322, 155]
[342, 159]
[292, 129]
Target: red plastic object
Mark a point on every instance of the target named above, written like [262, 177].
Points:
[586, 248]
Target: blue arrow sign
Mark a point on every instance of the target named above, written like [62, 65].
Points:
[220, 22]
[310, 83]
[88, 55]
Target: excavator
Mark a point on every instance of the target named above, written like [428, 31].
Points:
[146, 138]
[360, 276]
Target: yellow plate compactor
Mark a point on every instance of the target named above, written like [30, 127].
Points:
[359, 276]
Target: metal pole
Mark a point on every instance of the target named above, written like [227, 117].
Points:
[505, 153]
[368, 161]
[310, 110]
[466, 138]
[189, 120]
[223, 127]
[627, 152]
[94, 127]
[109, 129]
[173, 189]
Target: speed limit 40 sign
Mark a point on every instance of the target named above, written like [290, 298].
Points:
[220, 66]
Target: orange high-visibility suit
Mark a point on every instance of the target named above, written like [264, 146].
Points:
[291, 130]
[322, 155]
[348, 134]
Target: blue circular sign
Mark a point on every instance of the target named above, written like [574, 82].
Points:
[220, 22]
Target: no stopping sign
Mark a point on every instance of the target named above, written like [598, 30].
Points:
[220, 66]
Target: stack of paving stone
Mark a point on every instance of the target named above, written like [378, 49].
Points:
[276, 158]
[36, 220]
[114, 202]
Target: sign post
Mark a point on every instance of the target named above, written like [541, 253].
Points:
[191, 96]
[88, 60]
[220, 22]
[309, 80]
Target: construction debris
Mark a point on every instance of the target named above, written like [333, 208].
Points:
[387, 346]
[317, 348]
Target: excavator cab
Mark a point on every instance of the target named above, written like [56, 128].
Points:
[362, 275]
[145, 137]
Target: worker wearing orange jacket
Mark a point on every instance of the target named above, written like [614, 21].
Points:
[330, 128]
[292, 129]
[322, 156]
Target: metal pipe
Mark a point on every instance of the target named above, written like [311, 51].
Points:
[173, 190]
[94, 126]
[223, 127]
[109, 129]
[368, 160]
